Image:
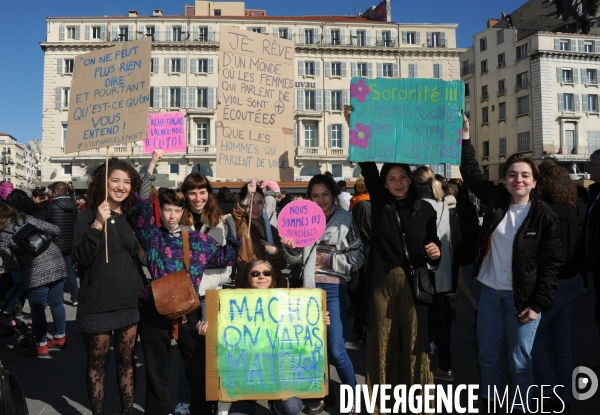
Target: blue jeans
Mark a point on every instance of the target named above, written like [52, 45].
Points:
[558, 321]
[53, 294]
[291, 406]
[71, 279]
[336, 339]
[496, 322]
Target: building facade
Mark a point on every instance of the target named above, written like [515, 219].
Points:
[20, 162]
[330, 50]
[534, 93]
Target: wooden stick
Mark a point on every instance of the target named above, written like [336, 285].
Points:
[106, 200]
[249, 215]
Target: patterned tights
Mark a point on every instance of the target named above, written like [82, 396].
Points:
[97, 346]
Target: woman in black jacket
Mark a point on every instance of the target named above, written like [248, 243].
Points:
[518, 258]
[397, 338]
[556, 188]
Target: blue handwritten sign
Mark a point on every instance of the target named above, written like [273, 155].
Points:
[416, 121]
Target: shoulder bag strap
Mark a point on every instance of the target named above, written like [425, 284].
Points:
[441, 214]
[404, 246]
[186, 250]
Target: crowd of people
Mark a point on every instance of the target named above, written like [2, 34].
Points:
[395, 253]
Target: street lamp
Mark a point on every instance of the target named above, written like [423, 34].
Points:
[5, 161]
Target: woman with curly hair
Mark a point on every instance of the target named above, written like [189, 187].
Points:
[108, 297]
[556, 188]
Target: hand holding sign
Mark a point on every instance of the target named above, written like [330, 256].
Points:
[301, 223]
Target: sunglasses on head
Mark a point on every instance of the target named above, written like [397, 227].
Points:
[256, 274]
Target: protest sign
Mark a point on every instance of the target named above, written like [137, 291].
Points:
[303, 221]
[110, 96]
[414, 121]
[266, 344]
[166, 131]
[256, 98]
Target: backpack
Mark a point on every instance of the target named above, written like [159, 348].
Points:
[12, 398]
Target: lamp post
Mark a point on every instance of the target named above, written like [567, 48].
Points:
[5, 161]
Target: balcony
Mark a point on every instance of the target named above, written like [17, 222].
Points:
[386, 43]
[202, 150]
[157, 37]
[521, 85]
[484, 97]
[337, 153]
[467, 69]
[501, 92]
[311, 153]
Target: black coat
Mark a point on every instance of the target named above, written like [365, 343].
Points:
[537, 254]
[570, 236]
[62, 212]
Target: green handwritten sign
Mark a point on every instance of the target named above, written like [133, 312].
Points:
[415, 121]
[266, 344]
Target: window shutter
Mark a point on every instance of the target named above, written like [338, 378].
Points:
[379, 69]
[317, 38]
[61, 32]
[343, 37]
[130, 32]
[167, 63]
[57, 96]
[581, 45]
[295, 134]
[211, 65]
[195, 33]
[59, 65]
[584, 101]
[165, 97]
[343, 136]
[319, 99]
[300, 100]
[142, 29]
[328, 36]
[393, 37]
[103, 32]
[155, 94]
[443, 39]
[344, 74]
[416, 70]
[249, 28]
[353, 39]
[404, 36]
[441, 70]
[327, 100]
[263, 30]
[327, 68]
[429, 39]
[275, 31]
[211, 98]
[77, 32]
[436, 73]
[370, 69]
[289, 33]
[154, 65]
[596, 46]
[575, 76]
[378, 38]
[183, 97]
[561, 104]
[193, 65]
[301, 36]
[573, 45]
[345, 97]
[183, 65]
[329, 143]
[556, 44]
[184, 32]
[396, 73]
[169, 34]
[192, 99]
[300, 68]
[418, 38]
[583, 75]
[354, 69]
[115, 32]
[317, 68]
[577, 106]
[211, 36]
[559, 75]
[88, 30]
[367, 37]
[156, 34]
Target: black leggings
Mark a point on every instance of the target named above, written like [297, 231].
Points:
[97, 346]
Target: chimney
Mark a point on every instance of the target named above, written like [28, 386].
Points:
[132, 13]
[157, 12]
[492, 22]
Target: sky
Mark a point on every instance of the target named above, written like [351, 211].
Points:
[24, 27]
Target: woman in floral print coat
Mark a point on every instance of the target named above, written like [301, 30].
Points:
[164, 255]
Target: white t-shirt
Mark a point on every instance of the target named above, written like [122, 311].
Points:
[345, 200]
[496, 268]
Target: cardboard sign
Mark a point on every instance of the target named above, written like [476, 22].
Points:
[414, 121]
[166, 131]
[256, 106]
[266, 344]
[110, 96]
[303, 221]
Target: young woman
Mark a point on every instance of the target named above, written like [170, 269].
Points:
[398, 337]
[164, 254]
[264, 242]
[44, 279]
[261, 275]
[556, 188]
[518, 259]
[109, 290]
[329, 265]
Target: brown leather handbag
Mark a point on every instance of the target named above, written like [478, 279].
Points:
[174, 294]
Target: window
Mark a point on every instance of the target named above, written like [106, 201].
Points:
[482, 44]
[523, 105]
[178, 34]
[500, 36]
[153, 104]
[523, 142]
[522, 51]
[64, 134]
[150, 30]
[388, 71]
[256, 30]
[202, 98]
[217, 12]
[336, 170]
[174, 168]
[501, 88]
[413, 70]
[309, 36]
[123, 34]
[438, 39]
[309, 68]
[592, 103]
[336, 100]
[72, 32]
[411, 38]
[467, 92]
[362, 69]
[501, 61]
[502, 111]
[175, 66]
[502, 143]
[484, 66]
[309, 100]
[66, 94]
[203, 34]
[567, 75]
[310, 135]
[201, 133]
[361, 38]
[587, 47]
[484, 92]
[486, 172]
[336, 136]
[96, 32]
[336, 69]
[591, 76]
[522, 80]
[386, 38]
[203, 66]
[69, 65]
[437, 70]
[486, 149]
[569, 140]
[67, 169]
[484, 115]
[568, 102]
[175, 97]
[564, 45]
[593, 138]
[283, 33]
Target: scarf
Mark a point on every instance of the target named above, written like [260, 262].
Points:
[358, 198]
[335, 233]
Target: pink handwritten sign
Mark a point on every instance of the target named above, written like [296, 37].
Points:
[166, 131]
[303, 221]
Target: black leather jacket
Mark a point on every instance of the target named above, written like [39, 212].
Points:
[537, 252]
[62, 212]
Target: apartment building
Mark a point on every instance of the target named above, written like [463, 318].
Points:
[330, 50]
[20, 162]
[534, 93]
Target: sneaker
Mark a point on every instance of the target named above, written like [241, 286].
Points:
[37, 351]
[57, 343]
[314, 406]
[441, 375]
[75, 303]
[182, 409]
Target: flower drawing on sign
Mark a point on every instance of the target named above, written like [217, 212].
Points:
[360, 90]
[361, 135]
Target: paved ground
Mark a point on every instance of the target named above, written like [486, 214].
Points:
[56, 384]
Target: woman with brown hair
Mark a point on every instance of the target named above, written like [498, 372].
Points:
[110, 288]
[556, 188]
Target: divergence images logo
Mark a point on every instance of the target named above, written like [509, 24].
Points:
[585, 383]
